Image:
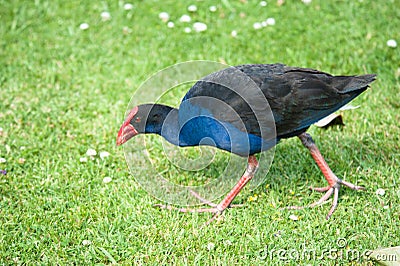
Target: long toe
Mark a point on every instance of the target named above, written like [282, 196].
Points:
[350, 185]
[172, 208]
[329, 191]
[320, 189]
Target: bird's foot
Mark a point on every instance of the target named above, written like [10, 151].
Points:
[214, 208]
[334, 182]
[218, 209]
[217, 212]
[338, 183]
[330, 190]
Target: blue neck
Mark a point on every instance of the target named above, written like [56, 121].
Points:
[169, 126]
[201, 129]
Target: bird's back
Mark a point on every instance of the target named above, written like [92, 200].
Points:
[298, 97]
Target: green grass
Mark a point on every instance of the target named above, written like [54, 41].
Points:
[64, 90]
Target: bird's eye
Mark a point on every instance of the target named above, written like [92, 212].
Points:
[137, 120]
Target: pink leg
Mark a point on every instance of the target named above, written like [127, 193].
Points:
[334, 182]
[218, 209]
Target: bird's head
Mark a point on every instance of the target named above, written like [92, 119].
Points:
[146, 118]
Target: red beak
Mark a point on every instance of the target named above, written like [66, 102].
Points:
[125, 133]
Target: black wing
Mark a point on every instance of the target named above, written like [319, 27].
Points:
[297, 97]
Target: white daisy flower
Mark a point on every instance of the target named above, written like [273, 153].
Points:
[107, 180]
[185, 18]
[86, 242]
[104, 154]
[380, 192]
[228, 242]
[91, 152]
[164, 16]
[84, 26]
[199, 26]
[192, 8]
[257, 26]
[270, 21]
[128, 6]
[391, 43]
[105, 16]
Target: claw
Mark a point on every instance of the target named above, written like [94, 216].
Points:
[334, 182]
[218, 209]
[333, 190]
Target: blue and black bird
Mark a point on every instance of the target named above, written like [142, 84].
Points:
[248, 109]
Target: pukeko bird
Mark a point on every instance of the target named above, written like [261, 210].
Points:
[237, 119]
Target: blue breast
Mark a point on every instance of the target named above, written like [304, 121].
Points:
[199, 127]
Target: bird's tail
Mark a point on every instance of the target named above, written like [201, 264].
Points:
[348, 84]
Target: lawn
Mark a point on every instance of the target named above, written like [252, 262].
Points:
[64, 89]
